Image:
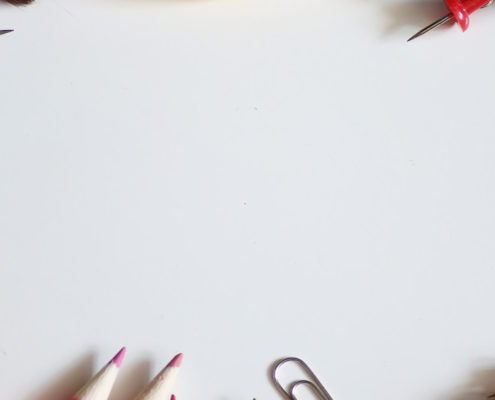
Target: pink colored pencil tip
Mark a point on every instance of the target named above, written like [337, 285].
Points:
[176, 361]
[119, 357]
[172, 397]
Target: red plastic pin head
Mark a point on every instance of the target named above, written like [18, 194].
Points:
[459, 12]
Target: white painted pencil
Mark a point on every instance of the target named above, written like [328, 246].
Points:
[99, 387]
[160, 388]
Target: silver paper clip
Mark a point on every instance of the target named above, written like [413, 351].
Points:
[312, 382]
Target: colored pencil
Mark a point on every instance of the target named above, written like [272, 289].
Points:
[99, 387]
[160, 388]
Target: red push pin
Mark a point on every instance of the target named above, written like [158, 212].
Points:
[459, 11]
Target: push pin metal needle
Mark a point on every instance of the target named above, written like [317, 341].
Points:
[459, 12]
[4, 31]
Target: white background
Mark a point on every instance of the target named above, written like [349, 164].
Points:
[242, 180]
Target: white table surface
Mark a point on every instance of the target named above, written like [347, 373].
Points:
[241, 181]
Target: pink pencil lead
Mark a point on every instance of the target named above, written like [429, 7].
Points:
[99, 387]
[119, 357]
[160, 388]
[176, 361]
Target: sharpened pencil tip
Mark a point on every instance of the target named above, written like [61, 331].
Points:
[176, 361]
[4, 31]
[172, 397]
[119, 357]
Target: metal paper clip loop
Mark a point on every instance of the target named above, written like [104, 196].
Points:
[313, 382]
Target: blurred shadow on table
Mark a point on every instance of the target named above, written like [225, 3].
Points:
[131, 381]
[68, 381]
[479, 386]
[416, 14]
[19, 2]
[73, 377]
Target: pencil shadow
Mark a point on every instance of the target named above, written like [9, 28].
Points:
[68, 381]
[479, 386]
[19, 2]
[132, 381]
[5, 4]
